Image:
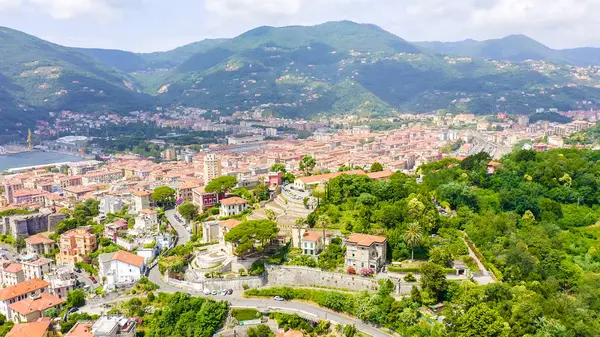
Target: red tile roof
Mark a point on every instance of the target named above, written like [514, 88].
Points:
[38, 239]
[365, 239]
[230, 223]
[14, 268]
[129, 258]
[22, 288]
[81, 329]
[33, 329]
[233, 201]
[43, 302]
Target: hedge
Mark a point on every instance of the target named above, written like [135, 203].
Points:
[395, 269]
[329, 299]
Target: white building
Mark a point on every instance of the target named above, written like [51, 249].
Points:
[110, 204]
[36, 267]
[120, 268]
[232, 206]
[112, 326]
[18, 292]
[146, 220]
[141, 200]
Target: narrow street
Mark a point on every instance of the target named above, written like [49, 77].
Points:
[182, 233]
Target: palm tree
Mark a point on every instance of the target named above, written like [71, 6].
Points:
[323, 221]
[413, 236]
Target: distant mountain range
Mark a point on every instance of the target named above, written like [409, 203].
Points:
[515, 48]
[332, 68]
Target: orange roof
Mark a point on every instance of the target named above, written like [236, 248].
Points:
[38, 239]
[494, 164]
[22, 288]
[127, 257]
[43, 302]
[365, 239]
[233, 201]
[312, 236]
[142, 193]
[289, 333]
[148, 211]
[33, 329]
[328, 176]
[230, 223]
[81, 329]
[14, 268]
[380, 175]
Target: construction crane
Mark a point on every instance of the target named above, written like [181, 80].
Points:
[29, 140]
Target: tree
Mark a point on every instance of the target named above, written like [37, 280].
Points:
[433, 278]
[376, 167]
[262, 193]
[307, 164]
[441, 256]
[19, 243]
[164, 196]
[413, 236]
[260, 330]
[278, 167]
[252, 235]
[188, 210]
[75, 298]
[221, 185]
[270, 214]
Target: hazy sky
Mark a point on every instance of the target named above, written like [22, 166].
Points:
[151, 25]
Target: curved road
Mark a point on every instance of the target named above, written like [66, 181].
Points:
[303, 309]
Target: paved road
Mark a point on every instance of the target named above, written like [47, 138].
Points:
[184, 235]
[305, 310]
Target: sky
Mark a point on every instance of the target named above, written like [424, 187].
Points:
[156, 25]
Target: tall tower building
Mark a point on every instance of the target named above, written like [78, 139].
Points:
[212, 167]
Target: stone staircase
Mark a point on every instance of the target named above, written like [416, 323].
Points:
[286, 210]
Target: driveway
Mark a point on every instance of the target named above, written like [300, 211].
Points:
[184, 235]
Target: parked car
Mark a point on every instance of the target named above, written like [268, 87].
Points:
[93, 279]
[223, 292]
[229, 291]
[73, 310]
[214, 292]
[206, 292]
[278, 298]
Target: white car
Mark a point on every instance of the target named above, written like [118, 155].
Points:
[206, 292]
[278, 298]
[214, 292]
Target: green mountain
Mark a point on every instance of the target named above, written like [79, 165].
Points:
[514, 48]
[332, 68]
[131, 62]
[37, 77]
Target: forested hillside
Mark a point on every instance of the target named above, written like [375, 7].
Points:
[299, 72]
[534, 223]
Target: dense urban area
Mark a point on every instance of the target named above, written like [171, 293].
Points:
[235, 208]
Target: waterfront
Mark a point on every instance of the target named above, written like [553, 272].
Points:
[26, 159]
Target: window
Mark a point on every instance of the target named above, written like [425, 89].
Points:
[305, 244]
[305, 251]
[312, 245]
[311, 252]
[362, 264]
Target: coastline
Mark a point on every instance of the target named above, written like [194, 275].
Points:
[21, 161]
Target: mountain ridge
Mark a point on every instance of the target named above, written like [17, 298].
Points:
[337, 67]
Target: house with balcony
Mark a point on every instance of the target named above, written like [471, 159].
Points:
[365, 251]
[33, 307]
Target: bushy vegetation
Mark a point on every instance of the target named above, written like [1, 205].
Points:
[532, 224]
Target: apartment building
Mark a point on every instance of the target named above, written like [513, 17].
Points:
[212, 167]
[33, 307]
[39, 244]
[74, 244]
[102, 177]
[20, 291]
[11, 274]
[35, 266]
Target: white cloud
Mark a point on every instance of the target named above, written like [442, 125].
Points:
[69, 9]
[558, 23]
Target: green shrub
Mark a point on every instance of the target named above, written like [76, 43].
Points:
[245, 314]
